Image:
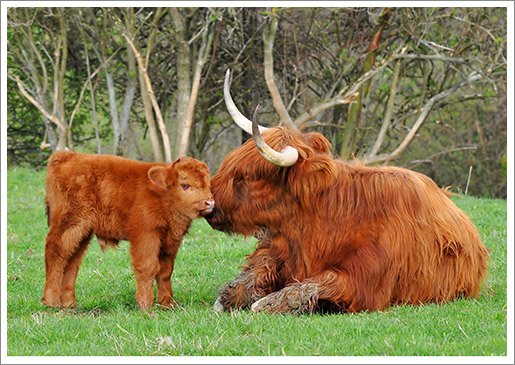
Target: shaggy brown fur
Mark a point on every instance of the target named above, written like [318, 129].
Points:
[368, 237]
[149, 204]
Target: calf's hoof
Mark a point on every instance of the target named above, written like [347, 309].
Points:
[144, 307]
[53, 303]
[68, 301]
[168, 304]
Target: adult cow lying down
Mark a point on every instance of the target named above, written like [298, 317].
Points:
[150, 204]
[338, 236]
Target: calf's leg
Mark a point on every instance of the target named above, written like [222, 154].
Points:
[145, 261]
[163, 279]
[61, 244]
[70, 274]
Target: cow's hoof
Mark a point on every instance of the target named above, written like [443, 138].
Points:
[218, 307]
[272, 303]
[296, 299]
[259, 305]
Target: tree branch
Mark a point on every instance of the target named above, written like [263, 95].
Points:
[414, 56]
[203, 53]
[389, 109]
[87, 82]
[268, 63]
[429, 159]
[157, 110]
[349, 93]
[50, 116]
[424, 112]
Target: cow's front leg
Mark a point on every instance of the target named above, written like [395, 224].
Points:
[296, 298]
[329, 287]
[239, 293]
[261, 276]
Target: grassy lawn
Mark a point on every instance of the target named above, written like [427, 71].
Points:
[107, 322]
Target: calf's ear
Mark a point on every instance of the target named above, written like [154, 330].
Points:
[157, 176]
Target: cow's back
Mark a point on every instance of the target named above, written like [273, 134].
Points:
[426, 248]
[436, 252]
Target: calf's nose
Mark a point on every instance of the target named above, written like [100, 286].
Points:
[210, 204]
[209, 207]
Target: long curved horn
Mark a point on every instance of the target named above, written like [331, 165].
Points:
[287, 157]
[238, 118]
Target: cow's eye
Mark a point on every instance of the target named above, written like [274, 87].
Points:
[185, 186]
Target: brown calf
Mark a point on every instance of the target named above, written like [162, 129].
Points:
[149, 204]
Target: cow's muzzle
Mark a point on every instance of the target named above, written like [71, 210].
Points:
[218, 220]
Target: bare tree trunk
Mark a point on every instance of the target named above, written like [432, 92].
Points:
[92, 96]
[351, 125]
[95, 118]
[207, 39]
[389, 110]
[91, 88]
[121, 122]
[140, 79]
[113, 109]
[132, 83]
[40, 98]
[268, 40]
[145, 96]
[183, 75]
[41, 87]
[50, 133]
[126, 110]
[354, 116]
[28, 57]
[162, 127]
[60, 68]
[149, 117]
[119, 119]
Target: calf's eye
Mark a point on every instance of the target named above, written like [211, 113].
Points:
[185, 186]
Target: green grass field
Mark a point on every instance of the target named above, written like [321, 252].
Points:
[107, 322]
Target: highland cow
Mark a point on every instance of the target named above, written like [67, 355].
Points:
[149, 204]
[338, 236]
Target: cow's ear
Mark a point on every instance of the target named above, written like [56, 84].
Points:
[318, 142]
[311, 175]
[157, 176]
